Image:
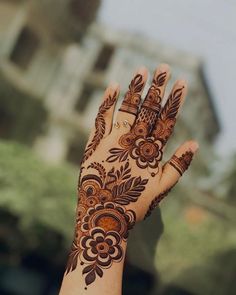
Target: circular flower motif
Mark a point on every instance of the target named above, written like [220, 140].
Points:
[91, 192]
[133, 98]
[90, 187]
[101, 247]
[164, 129]
[127, 140]
[141, 129]
[147, 152]
[110, 217]
[92, 201]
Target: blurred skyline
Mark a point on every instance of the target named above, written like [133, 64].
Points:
[204, 28]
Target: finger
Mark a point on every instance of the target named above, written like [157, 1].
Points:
[167, 119]
[104, 119]
[130, 104]
[177, 165]
[172, 171]
[151, 106]
[108, 107]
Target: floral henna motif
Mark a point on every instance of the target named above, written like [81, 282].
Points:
[102, 222]
[100, 126]
[101, 249]
[182, 163]
[132, 98]
[98, 239]
[146, 151]
[166, 122]
[116, 185]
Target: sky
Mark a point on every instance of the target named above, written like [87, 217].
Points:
[205, 28]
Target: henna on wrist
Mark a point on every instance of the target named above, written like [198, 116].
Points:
[102, 220]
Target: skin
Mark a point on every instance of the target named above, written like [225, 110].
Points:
[123, 179]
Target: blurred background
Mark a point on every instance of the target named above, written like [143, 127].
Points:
[56, 58]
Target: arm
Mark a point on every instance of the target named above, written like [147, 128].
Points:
[122, 180]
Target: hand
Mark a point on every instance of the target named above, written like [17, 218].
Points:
[122, 178]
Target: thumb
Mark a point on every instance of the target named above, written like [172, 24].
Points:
[178, 164]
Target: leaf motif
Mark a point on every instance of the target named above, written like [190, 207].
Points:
[99, 271]
[87, 269]
[160, 79]
[73, 258]
[117, 154]
[90, 277]
[136, 84]
[129, 191]
[100, 126]
[172, 105]
[100, 168]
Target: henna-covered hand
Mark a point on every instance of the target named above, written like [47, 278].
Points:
[122, 178]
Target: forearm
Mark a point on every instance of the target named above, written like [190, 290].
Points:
[110, 282]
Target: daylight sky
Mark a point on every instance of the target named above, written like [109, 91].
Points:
[206, 28]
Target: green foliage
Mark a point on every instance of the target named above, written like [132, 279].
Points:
[18, 110]
[193, 237]
[228, 180]
[35, 192]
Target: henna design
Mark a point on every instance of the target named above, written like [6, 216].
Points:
[116, 185]
[102, 221]
[100, 126]
[166, 122]
[132, 98]
[152, 103]
[101, 249]
[155, 202]
[182, 163]
[147, 152]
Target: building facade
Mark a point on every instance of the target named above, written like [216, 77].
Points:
[64, 62]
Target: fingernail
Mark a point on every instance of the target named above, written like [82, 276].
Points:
[142, 70]
[194, 146]
[114, 85]
[182, 82]
[164, 67]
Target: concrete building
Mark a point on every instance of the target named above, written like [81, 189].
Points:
[65, 59]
